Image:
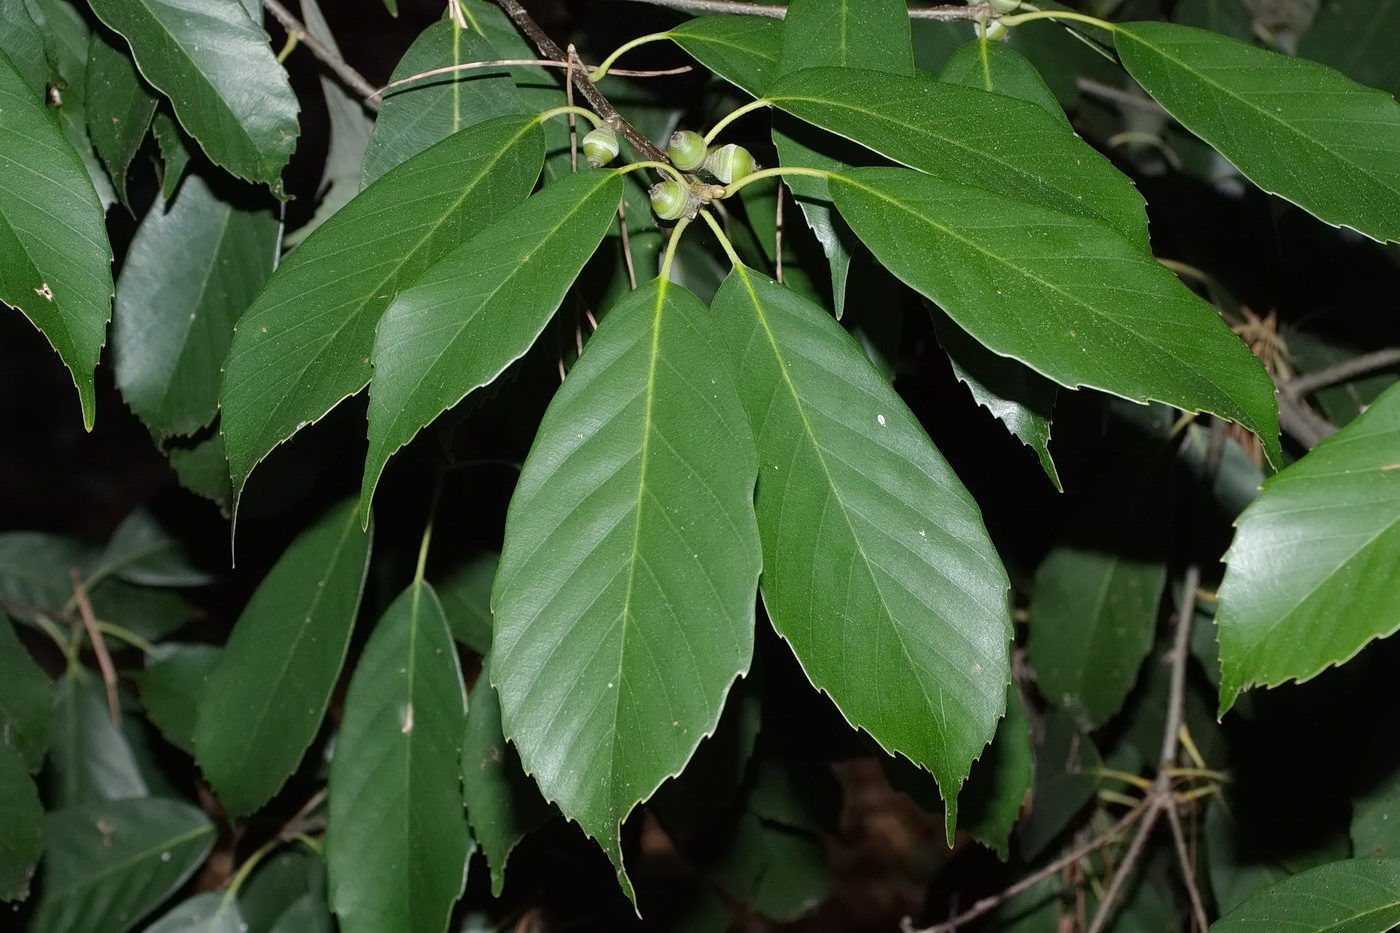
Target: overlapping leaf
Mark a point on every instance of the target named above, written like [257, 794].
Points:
[22, 41]
[624, 598]
[1295, 128]
[21, 824]
[210, 912]
[743, 50]
[89, 757]
[305, 343]
[876, 566]
[480, 308]
[119, 106]
[993, 66]
[141, 551]
[172, 687]
[26, 699]
[1353, 896]
[1313, 572]
[1063, 293]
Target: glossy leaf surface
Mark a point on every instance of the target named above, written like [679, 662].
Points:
[876, 567]
[624, 599]
[1064, 294]
[210, 912]
[21, 825]
[1352, 896]
[743, 50]
[996, 67]
[394, 778]
[847, 33]
[1312, 574]
[26, 699]
[266, 697]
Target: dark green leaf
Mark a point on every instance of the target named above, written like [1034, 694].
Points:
[141, 551]
[1065, 762]
[466, 598]
[305, 343]
[393, 780]
[876, 566]
[308, 914]
[108, 864]
[22, 41]
[172, 687]
[202, 468]
[992, 66]
[271, 898]
[1064, 294]
[1360, 44]
[624, 598]
[146, 611]
[743, 50]
[1295, 128]
[174, 153]
[119, 106]
[266, 697]
[192, 268]
[210, 912]
[216, 66]
[34, 570]
[26, 700]
[1000, 779]
[1375, 811]
[21, 824]
[1353, 896]
[57, 273]
[89, 757]
[1315, 564]
[480, 308]
[847, 33]
[778, 871]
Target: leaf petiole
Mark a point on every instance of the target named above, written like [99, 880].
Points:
[773, 173]
[602, 70]
[733, 115]
[584, 112]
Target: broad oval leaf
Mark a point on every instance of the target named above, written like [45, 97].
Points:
[305, 343]
[216, 66]
[1352, 896]
[141, 551]
[847, 33]
[1295, 128]
[1314, 571]
[743, 50]
[172, 686]
[22, 40]
[90, 759]
[108, 864]
[624, 599]
[265, 699]
[963, 134]
[193, 266]
[210, 912]
[876, 566]
[26, 699]
[394, 779]
[118, 108]
[55, 261]
[996, 67]
[480, 308]
[21, 824]
[1062, 293]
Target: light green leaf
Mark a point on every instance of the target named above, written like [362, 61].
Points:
[743, 50]
[993, 66]
[172, 687]
[193, 266]
[55, 261]
[876, 567]
[1353, 896]
[265, 699]
[305, 343]
[26, 700]
[1295, 128]
[466, 598]
[480, 308]
[210, 912]
[393, 780]
[1093, 615]
[1314, 571]
[21, 823]
[108, 864]
[89, 757]
[216, 66]
[1064, 294]
[964, 134]
[624, 600]
[118, 108]
[140, 551]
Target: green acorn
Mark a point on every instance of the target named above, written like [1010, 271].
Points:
[729, 163]
[992, 30]
[600, 146]
[669, 199]
[686, 150]
[1005, 6]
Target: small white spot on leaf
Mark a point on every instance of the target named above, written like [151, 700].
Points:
[44, 292]
[881, 419]
[407, 719]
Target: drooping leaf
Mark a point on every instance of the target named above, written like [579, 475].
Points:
[141, 551]
[216, 65]
[503, 804]
[480, 308]
[1093, 615]
[305, 343]
[26, 700]
[1295, 128]
[172, 687]
[394, 778]
[624, 597]
[210, 912]
[876, 567]
[108, 864]
[1313, 573]
[466, 598]
[58, 273]
[119, 106]
[1000, 780]
[1064, 294]
[743, 50]
[21, 824]
[265, 699]
[965, 135]
[995, 67]
[89, 757]
[1352, 896]
[193, 266]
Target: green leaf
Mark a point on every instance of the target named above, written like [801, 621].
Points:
[466, 598]
[876, 567]
[23, 42]
[89, 757]
[274, 896]
[108, 864]
[1248, 850]
[743, 50]
[993, 66]
[307, 914]
[480, 308]
[21, 824]
[146, 611]
[141, 551]
[1375, 808]
[503, 804]
[1065, 762]
[415, 116]
[1362, 45]
[393, 780]
[961, 134]
[779, 871]
[57, 272]
[1093, 616]
[172, 687]
[624, 598]
[1063, 294]
[118, 108]
[305, 343]
[216, 66]
[1353, 896]
[847, 33]
[1295, 128]
[1000, 779]
[34, 571]
[174, 153]
[26, 700]
[1312, 572]
[265, 699]
[202, 468]
[210, 912]
[192, 268]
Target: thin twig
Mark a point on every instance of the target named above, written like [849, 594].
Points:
[528, 62]
[946, 13]
[1301, 423]
[778, 233]
[1130, 859]
[1181, 642]
[352, 78]
[300, 820]
[1117, 95]
[1344, 371]
[1198, 908]
[99, 645]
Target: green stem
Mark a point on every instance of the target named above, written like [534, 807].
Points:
[774, 173]
[584, 112]
[128, 636]
[248, 865]
[311, 842]
[671, 247]
[666, 167]
[1019, 18]
[724, 243]
[601, 71]
[51, 629]
[730, 117]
